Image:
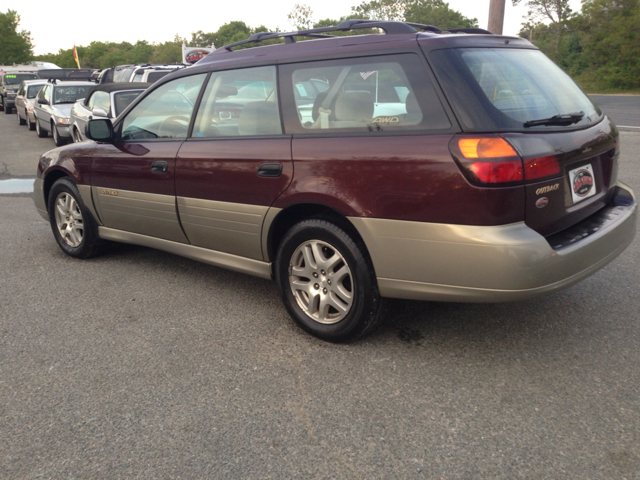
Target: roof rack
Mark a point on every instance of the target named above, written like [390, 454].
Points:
[389, 28]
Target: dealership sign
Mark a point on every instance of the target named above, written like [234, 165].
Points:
[191, 55]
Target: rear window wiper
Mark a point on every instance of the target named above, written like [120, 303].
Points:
[565, 119]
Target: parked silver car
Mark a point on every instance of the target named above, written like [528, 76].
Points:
[26, 101]
[103, 101]
[53, 106]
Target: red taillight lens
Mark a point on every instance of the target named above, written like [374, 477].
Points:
[497, 172]
[541, 167]
[495, 160]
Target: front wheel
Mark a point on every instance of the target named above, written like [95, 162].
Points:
[327, 281]
[73, 227]
[57, 139]
[6, 108]
[39, 130]
[30, 125]
[21, 121]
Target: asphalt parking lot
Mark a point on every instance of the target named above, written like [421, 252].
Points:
[143, 364]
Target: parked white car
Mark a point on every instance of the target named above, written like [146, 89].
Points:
[103, 101]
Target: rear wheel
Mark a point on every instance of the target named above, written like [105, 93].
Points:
[74, 228]
[2, 105]
[42, 133]
[327, 282]
[5, 107]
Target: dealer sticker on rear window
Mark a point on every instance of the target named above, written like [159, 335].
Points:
[582, 183]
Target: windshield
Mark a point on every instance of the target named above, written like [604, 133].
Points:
[17, 78]
[33, 91]
[501, 89]
[123, 99]
[123, 74]
[70, 94]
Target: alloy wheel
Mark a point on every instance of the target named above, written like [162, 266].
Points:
[321, 282]
[69, 219]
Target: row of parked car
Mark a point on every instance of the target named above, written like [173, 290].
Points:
[61, 107]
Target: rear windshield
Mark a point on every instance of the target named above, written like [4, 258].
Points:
[17, 78]
[499, 89]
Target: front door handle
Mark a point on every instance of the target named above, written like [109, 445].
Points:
[270, 170]
[159, 166]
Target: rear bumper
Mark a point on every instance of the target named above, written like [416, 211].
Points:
[461, 263]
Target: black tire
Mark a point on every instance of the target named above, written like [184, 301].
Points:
[57, 139]
[2, 105]
[30, 126]
[21, 121]
[39, 130]
[91, 244]
[365, 311]
[6, 108]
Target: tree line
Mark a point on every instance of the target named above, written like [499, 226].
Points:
[598, 46]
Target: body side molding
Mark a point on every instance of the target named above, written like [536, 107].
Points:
[210, 257]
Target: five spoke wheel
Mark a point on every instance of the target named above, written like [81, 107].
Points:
[321, 282]
[69, 219]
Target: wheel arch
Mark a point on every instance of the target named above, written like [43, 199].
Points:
[52, 177]
[298, 212]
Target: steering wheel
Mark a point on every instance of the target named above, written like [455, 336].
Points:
[173, 124]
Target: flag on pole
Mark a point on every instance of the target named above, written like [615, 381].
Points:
[75, 55]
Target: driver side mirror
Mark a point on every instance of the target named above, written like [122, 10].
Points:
[99, 130]
[99, 112]
[43, 101]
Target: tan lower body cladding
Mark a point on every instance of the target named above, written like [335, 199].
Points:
[462, 263]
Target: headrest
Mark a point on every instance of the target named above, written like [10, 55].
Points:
[354, 107]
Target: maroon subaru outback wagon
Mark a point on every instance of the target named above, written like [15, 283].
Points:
[416, 163]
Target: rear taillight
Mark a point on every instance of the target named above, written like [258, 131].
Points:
[488, 160]
[541, 167]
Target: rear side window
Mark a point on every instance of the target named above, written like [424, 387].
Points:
[375, 94]
[498, 89]
[241, 102]
[33, 91]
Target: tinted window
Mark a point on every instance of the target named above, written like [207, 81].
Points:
[239, 102]
[70, 93]
[123, 99]
[501, 88]
[376, 94]
[165, 113]
[155, 76]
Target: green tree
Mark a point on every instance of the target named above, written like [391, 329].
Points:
[301, 17]
[168, 52]
[437, 13]
[557, 12]
[15, 46]
[428, 12]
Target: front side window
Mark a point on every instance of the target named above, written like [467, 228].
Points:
[365, 94]
[240, 102]
[100, 100]
[70, 94]
[165, 113]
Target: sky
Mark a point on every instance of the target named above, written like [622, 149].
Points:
[58, 25]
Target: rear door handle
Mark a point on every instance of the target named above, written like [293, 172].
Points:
[159, 166]
[270, 170]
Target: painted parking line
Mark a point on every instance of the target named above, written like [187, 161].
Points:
[626, 126]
